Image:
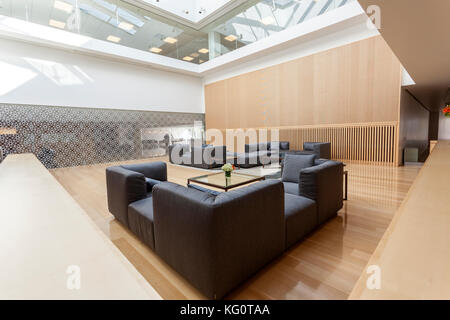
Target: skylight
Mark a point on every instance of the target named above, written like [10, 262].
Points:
[120, 22]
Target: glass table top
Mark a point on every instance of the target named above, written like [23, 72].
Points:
[219, 180]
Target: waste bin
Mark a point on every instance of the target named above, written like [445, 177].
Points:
[411, 155]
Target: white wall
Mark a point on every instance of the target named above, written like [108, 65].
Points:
[336, 39]
[32, 74]
[444, 127]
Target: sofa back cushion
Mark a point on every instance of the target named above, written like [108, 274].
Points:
[156, 170]
[284, 145]
[293, 164]
[251, 148]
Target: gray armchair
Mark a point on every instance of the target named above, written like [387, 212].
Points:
[127, 184]
[322, 150]
[318, 180]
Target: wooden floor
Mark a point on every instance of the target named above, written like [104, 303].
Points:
[326, 265]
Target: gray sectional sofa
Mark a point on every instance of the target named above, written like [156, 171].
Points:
[204, 157]
[217, 241]
[260, 153]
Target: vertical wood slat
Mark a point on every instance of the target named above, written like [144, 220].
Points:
[368, 143]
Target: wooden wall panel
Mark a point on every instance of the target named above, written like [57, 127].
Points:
[356, 83]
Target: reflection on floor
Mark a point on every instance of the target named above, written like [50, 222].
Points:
[326, 265]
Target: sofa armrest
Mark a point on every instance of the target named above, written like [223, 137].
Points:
[220, 155]
[155, 170]
[323, 183]
[202, 236]
[123, 187]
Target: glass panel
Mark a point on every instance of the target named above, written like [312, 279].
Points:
[220, 181]
[125, 24]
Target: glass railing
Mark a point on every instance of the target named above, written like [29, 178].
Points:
[122, 23]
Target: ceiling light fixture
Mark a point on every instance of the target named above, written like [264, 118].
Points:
[57, 24]
[268, 20]
[203, 50]
[125, 26]
[231, 37]
[170, 40]
[195, 55]
[63, 6]
[188, 58]
[113, 39]
[155, 50]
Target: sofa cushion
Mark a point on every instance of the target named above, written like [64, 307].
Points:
[140, 220]
[301, 217]
[247, 159]
[151, 183]
[251, 148]
[293, 164]
[291, 188]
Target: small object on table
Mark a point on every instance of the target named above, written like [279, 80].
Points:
[228, 168]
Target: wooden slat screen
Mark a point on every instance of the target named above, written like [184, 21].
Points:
[364, 142]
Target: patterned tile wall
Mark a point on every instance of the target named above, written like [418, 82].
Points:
[66, 137]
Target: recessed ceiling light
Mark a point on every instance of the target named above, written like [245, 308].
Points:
[125, 26]
[195, 54]
[268, 20]
[188, 58]
[113, 39]
[170, 40]
[204, 50]
[57, 24]
[231, 37]
[155, 50]
[63, 6]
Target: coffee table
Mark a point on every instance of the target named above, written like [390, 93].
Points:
[219, 181]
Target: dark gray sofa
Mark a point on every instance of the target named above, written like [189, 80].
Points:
[217, 241]
[205, 157]
[260, 153]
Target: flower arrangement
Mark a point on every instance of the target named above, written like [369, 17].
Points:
[446, 111]
[228, 168]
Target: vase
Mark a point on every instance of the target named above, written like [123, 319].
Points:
[228, 174]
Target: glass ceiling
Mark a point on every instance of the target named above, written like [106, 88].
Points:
[120, 22]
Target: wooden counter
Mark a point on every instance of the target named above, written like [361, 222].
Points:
[43, 231]
[414, 253]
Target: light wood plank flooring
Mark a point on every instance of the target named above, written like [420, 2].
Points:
[326, 265]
